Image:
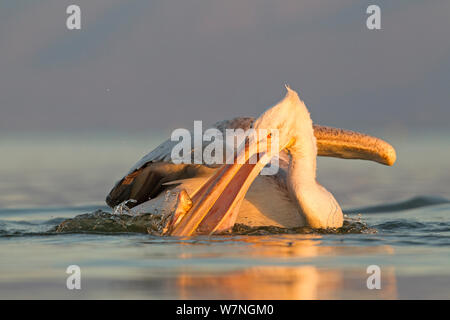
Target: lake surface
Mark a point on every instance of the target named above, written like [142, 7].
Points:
[46, 179]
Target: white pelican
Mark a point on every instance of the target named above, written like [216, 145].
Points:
[236, 193]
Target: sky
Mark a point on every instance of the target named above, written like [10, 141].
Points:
[141, 65]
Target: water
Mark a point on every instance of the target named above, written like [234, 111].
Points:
[46, 181]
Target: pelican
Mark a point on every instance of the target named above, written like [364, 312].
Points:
[211, 199]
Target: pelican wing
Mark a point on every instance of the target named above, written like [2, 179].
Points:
[153, 173]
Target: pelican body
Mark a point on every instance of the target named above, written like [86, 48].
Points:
[211, 199]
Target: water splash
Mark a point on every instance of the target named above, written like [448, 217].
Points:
[104, 222]
[122, 207]
[351, 225]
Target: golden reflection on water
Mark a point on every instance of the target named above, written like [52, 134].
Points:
[290, 282]
[304, 282]
[284, 246]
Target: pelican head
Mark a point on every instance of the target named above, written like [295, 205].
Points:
[291, 120]
[216, 204]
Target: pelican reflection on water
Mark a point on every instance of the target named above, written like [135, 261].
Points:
[297, 280]
[211, 199]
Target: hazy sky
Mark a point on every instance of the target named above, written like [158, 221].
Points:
[144, 65]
